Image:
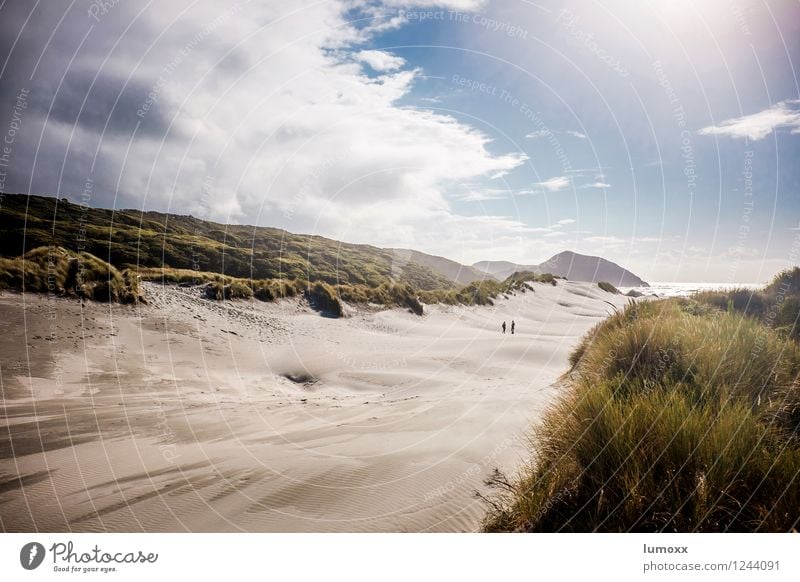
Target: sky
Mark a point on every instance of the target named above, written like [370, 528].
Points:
[661, 134]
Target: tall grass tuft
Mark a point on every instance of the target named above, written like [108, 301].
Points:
[677, 416]
[61, 272]
[323, 297]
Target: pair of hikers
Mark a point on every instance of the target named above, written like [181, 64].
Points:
[513, 325]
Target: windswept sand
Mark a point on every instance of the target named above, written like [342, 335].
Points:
[193, 415]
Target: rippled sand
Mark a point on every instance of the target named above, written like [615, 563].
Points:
[189, 415]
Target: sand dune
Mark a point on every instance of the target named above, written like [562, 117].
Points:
[193, 415]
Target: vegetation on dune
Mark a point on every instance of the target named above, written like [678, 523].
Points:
[608, 288]
[262, 289]
[385, 295]
[61, 272]
[127, 238]
[777, 305]
[677, 416]
[323, 297]
[486, 291]
[228, 261]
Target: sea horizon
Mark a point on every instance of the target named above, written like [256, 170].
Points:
[682, 289]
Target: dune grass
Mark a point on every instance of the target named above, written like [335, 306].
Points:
[102, 281]
[328, 297]
[66, 273]
[676, 416]
[323, 298]
[231, 261]
[486, 291]
[776, 306]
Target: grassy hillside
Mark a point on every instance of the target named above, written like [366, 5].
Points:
[231, 262]
[678, 415]
[131, 238]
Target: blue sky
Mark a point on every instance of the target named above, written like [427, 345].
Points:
[662, 135]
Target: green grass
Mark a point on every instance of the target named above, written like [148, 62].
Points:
[61, 272]
[486, 291]
[127, 238]
[676, 416]
[777, 305]
[232, 261]
[323, 298]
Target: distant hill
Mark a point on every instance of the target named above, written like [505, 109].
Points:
[573, 266]
[501, 269]
[577, 267]
[461, 274]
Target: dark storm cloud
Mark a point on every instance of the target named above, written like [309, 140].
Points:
[78, 87]
[94, 83]
[108, 104]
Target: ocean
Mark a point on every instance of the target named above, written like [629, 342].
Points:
[663, 289]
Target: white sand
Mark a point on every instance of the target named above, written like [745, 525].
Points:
[178, 415]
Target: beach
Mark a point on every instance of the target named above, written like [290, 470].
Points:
[193, 415]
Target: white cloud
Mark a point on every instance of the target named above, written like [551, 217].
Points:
[380, 61]
[539, 133]
[548, 132]
[587, 170]
[595, 185]
[564, 222]
[739, 252]
[274, 111]
[759, 125]
[554, 184]
[478, 194]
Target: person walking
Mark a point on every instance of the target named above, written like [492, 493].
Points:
[504, 327]
[513, 325]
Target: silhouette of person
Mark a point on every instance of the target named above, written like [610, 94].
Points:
[504, 327]
[512, 326]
